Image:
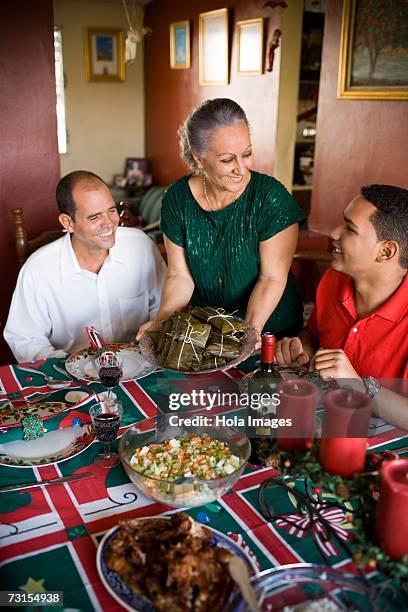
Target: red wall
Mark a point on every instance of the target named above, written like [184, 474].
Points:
[29, 162]
[358, 141]
[171, 94]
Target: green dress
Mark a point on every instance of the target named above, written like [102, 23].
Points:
[222, 247]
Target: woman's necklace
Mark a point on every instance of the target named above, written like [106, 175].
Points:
[210, 206]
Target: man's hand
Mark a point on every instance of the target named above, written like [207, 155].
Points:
[332, 363]
[289, 352]
[149, 325]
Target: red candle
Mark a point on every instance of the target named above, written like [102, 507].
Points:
[344, 444]
[298, 400]
[391, 527]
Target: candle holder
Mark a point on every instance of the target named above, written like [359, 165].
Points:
[298, 401]
[344, 439]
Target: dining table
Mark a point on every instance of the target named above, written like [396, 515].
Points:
[49, 535]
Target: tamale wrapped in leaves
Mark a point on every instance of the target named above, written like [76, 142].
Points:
[222, 345]
[168, 337]
[187, 316]
[191, 329]
[184, 353]
[164, 330]
[212, 362]
[193, 341]
[221, 320]
[185, 357]
[197, 334]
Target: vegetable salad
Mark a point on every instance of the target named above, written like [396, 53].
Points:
[189, 455]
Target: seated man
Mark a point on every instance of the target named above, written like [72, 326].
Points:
[98, 274]
[360, 321]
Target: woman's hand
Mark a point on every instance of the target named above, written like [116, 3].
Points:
[149, 325]
[290, 352]
[332, 363]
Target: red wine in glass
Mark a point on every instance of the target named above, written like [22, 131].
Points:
[110, 371]
[110, 376]
[106, 426]
[106, 417]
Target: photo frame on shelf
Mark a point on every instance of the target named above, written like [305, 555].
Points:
[374, 51]
[104, 55]
[119, 180]
[180, 45]
[137, 172]
[213, 47]
[250, 43]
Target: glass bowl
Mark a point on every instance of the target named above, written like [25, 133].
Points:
[185, 491]
[302, 585]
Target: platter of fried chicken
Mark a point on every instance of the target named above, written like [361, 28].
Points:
[168, 563]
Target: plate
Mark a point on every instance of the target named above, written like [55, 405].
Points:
[123, 593]
[11, 415]
[147, 348]
[53, 447]
[74, 397]
[82, 363]
[298, 584]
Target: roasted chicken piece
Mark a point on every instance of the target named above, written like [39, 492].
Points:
[172, 563]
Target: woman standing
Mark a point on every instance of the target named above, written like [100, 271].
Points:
[230, 233]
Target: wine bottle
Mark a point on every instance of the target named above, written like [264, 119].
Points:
[262, 393]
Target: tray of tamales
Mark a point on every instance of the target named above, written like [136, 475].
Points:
[204, 339]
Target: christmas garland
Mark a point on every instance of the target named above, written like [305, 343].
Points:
[362, 487]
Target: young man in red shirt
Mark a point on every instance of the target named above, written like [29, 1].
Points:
[359, 327]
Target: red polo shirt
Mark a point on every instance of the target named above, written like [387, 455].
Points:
[377, 345]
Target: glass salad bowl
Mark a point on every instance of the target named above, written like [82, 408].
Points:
[183, 490]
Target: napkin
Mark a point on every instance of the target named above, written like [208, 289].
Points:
[75, 414]
[96, 339]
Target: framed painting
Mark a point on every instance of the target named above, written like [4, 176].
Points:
[213, 47]
[104, 55]
[250, 46]
[180, 44]
[374, 50]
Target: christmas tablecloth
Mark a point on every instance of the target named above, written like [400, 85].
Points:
[49, 535]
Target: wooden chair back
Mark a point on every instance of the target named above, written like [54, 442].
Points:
[24, 245]
[308, 267]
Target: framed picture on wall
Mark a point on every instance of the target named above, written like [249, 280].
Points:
[104, 55]
[213, 47]
[374, 50]
[180, 44]
[250, 46]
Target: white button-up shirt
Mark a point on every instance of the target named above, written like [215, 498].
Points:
[55, 299]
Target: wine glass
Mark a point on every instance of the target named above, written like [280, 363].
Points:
[110, 370]
[106, 417]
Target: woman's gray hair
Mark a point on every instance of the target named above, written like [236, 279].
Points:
[196, 130]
